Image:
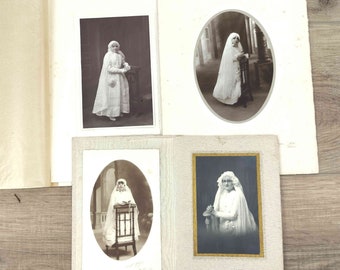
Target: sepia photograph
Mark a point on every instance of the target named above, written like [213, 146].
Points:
[117, 209]
[227, 205]
[121, 210]
[117, 88]
[234, 66]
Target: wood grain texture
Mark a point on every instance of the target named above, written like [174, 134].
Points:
[311, 221]
[35, 229]
[35, 233]
[325, 57]
[323, 11]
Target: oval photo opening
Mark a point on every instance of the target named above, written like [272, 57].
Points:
[121, 210]
[234, 66]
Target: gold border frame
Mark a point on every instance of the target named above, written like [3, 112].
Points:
[259, 202]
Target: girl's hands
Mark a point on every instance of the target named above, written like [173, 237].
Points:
[126, 66]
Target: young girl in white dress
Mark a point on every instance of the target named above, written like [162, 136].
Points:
[120, 195]
[228, 85]
[230, 213]
[112, 98]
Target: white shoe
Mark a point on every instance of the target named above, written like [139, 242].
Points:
[113, 119]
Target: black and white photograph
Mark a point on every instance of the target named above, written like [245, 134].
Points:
[121, 210]
[116, 77]
[234, 66]
[227, 205]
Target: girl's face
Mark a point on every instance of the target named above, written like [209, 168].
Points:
[115, 47]
[121, 186]
[227, 184]
[235, 40]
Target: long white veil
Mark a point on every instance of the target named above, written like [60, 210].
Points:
[228, 72]
[118, 197]
[245, 223]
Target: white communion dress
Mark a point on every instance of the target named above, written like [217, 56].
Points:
[228, 84]
[109, 229]
[231, 208]
[112, 98]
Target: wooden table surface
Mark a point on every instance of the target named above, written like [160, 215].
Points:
[35, 228]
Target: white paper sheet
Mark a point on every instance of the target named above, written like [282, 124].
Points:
[289, 112]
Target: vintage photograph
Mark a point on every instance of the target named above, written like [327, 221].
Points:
[234, 65]
[117, 215]
[227, 205]
[121, 210]
[116, 72]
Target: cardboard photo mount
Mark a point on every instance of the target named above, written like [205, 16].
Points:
[176, 198]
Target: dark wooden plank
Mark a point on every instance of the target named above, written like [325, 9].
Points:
[35, 229]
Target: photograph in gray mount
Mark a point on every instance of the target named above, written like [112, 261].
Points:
[234, 66]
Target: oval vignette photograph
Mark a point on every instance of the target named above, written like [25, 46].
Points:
[234, 66]
[121, 210]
